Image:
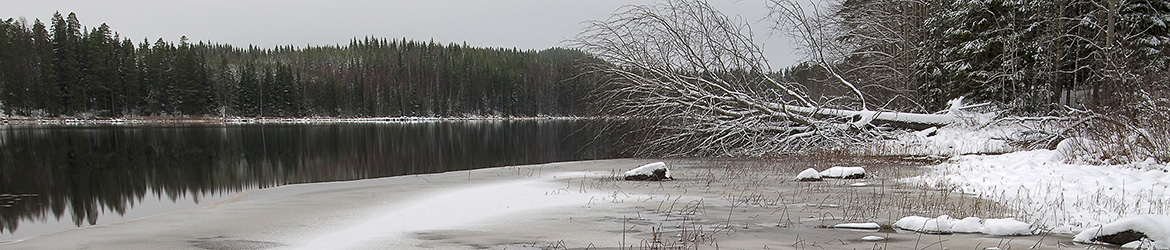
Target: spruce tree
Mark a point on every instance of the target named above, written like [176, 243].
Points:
[45, 95]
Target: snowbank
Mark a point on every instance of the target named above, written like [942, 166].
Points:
[1154, 228]
[945, 224]
[654, 171]
[844, 172]
[808, 175]
[1065, 197]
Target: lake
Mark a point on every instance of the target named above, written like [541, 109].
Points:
[55, 178]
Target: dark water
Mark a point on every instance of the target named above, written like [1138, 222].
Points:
[69, 176]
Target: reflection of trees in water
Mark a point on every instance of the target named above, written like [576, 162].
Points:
[93, 170]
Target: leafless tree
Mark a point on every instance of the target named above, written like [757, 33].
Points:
[880, 41]
[704, 87]
[813, 29]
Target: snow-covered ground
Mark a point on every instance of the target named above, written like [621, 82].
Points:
[1048, 188]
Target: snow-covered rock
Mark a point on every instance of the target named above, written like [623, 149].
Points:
[869, 225]
[844, 172]
[655, 171]
[1153, 228]
[945, 224]
[808, 175]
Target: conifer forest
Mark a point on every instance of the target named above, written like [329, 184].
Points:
[63, 68]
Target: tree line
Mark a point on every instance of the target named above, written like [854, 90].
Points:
[64, 69]
[1030, 55]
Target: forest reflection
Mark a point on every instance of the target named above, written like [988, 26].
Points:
[86, 172]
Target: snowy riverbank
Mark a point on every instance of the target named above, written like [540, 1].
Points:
[710, 203]
[1063, 197]
[1052, 189]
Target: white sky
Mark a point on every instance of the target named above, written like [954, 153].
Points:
[524, 24]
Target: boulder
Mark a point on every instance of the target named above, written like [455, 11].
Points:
[1151, 228]
[1121, 238]
[656, 171]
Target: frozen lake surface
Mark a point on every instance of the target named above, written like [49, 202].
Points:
[726, 203]
[90, 175]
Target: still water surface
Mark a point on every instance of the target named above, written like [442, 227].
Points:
[55, 178]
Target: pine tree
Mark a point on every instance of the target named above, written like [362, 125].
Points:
[189, 92]
[247, 91]
[129, 73]
[158, 80]
[99, 70]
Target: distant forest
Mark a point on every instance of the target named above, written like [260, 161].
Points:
[65, 69]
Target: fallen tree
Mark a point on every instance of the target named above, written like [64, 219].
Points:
[702, 87]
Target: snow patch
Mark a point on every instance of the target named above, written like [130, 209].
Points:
[945, 224]
[1006, 227]
[942, 224]
[967, 225]
[869, 225]
[873, 238]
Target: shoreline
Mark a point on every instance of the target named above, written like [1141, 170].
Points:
[211, 120]
[712, 202]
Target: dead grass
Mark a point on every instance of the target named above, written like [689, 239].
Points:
[716, 199]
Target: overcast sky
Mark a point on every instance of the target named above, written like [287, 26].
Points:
[524, 24]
